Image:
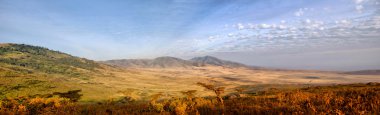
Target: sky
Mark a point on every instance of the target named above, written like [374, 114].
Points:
[293, 34]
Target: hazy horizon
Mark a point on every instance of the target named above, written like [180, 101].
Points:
[290, 34]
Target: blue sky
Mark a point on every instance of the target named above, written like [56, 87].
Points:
[296, 34]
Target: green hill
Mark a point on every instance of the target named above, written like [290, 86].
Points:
[22, 58]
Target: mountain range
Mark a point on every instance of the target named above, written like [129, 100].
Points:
[173, 62]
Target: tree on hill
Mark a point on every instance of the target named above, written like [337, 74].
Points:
[217, 90]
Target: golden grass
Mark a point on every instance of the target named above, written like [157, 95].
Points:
[115, 82]
[337, 99]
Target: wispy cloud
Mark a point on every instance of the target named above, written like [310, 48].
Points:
[305, 30]
[143, 29]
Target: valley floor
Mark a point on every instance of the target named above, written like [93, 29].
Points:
[140, 83]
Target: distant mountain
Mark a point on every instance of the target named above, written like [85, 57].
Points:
[129, 62]
[172, 62]
[364, 72]
[209, 60]
[160, 62]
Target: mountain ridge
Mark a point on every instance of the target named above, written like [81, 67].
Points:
[364, 72]
[172, 62]
[216, 61]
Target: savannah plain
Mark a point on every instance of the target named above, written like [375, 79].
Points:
[36, 80]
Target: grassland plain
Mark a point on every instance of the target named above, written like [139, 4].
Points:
[32, 74]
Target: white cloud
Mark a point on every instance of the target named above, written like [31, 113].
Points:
[344, 21]
[282, 27]
[358, 1]
[211, 38]
[309, 32]
[264, 26]
[298, 13]
[240, 26]
[308, 21]
[251, 26]
[305, 31]
[359, 8]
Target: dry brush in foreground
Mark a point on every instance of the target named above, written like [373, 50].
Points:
[336, 99]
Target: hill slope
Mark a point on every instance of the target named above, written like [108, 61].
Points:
[22, 58]
[30, 70]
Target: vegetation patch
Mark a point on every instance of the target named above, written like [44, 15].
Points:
[336, 99]
[43, 60]
[311, 77]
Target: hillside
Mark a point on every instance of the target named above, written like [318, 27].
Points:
[30, 70]
[172, 62]
[21, 58]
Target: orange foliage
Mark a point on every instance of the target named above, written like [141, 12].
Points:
[339, 99]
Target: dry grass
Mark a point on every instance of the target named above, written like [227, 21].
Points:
[337, 99]
[115, 82]
[148, 81]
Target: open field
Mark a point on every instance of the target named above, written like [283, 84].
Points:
[140, 83]
[145, 81]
